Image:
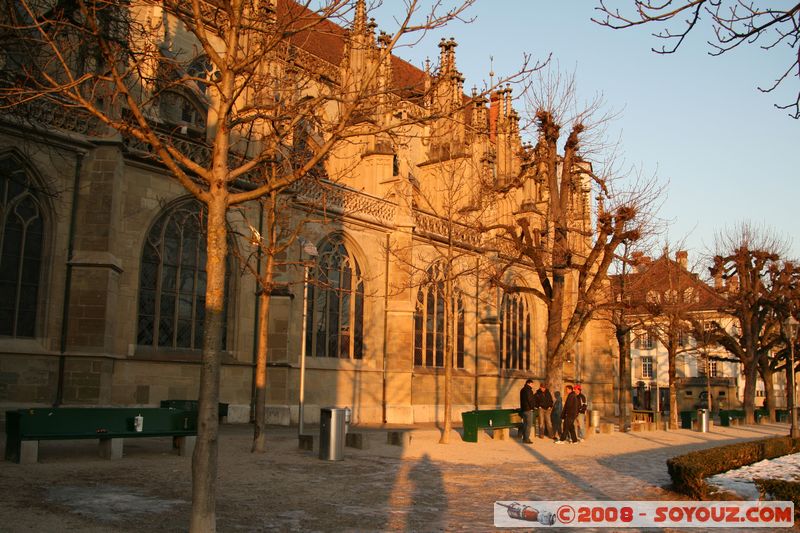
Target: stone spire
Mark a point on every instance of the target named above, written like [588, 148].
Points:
[360, 20]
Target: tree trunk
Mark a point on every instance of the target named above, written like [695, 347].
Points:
[769, 387]
[259, 426]
[554, 363]
[204, 460]
[750, 377]
[623, 343]
[673, 386]
[451, 330]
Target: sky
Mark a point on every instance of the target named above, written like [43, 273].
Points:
[697, 122]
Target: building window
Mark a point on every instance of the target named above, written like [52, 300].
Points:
[21, 242]
[335, 305]
[515, 333]
[647, 367]
[646, 340]
[172, 281]
[432, 332]
[713, 367]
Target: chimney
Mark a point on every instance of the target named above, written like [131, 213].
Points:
[682, 257]
[640, 261]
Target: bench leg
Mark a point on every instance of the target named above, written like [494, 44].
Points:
[111, 448]
[398, 438]
[500, 434]
[356, 440]
[305, 442]
[29, 452]
[185, 445]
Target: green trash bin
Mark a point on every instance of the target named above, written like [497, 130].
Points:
[724, 418]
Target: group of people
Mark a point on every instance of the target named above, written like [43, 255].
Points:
[567, 419]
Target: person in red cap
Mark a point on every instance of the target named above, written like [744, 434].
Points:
[580, 421]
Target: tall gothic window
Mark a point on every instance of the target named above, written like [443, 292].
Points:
[431, 328]
[515, 333]
[172, 282]
[21, 242]
[335, 312]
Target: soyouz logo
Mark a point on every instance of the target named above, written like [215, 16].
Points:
[643, 514]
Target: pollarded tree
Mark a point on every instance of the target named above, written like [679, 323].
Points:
[569, 245]
[745, 256]
[214, 91]
[773, 25]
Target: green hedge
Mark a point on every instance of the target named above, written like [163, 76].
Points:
[688, 472]
[781, 491]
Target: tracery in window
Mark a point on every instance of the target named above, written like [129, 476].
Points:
[335, 304]
[432, 328]
[22, 232]
[172, 281]
[515, 333]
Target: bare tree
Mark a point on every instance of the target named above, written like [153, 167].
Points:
[213, 91]
[447, 208]
[734, 23]
[618, 311]
[784, 278]
[745, 255]
[668, 297]
[558, 235]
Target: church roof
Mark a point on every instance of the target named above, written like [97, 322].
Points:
[326, 40]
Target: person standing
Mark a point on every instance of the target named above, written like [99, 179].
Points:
[558, 407]
[569, 414]
[527, 403]
[544, 402]
[580, 421]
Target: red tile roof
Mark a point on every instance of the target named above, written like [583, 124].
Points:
[663, 275]
[325, 39]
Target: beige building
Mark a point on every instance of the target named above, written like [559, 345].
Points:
[102, 274]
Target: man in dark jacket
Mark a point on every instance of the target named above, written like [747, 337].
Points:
[527, 404]
[569, 414]
[580, 421]
[544, 402]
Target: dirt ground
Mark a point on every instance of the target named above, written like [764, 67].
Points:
[424, 486]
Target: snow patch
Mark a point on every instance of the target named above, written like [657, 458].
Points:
[740, 480]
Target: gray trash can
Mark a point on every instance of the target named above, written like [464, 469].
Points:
[331, 433]
[702, 420]
[595, 419]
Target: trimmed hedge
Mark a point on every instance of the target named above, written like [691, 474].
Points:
[781, 490]
[688, 472]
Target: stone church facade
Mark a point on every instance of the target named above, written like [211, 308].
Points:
[102, 271]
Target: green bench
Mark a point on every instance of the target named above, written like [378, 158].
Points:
[473, 421]
[110, 425]
[191, 405]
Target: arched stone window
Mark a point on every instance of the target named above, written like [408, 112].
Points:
[515, 333]
[172, 281]
[22, 232]
[431, 328]
[335, 304]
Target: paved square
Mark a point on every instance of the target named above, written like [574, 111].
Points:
[424, 486]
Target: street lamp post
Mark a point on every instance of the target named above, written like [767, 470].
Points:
[791, 333]
[311, 251]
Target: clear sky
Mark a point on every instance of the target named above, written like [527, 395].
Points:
[698, 122]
